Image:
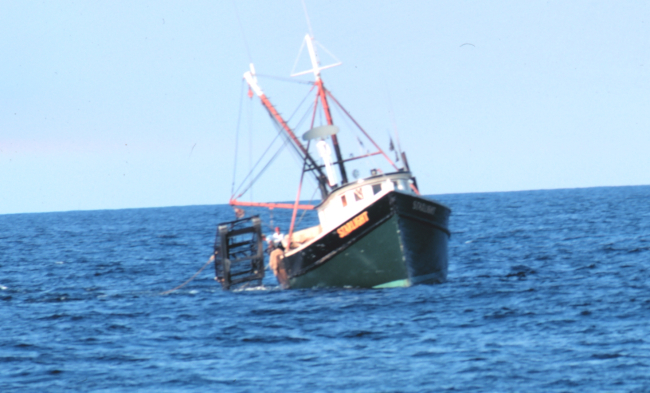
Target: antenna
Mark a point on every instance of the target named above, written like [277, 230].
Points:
[308, 41]
[241, 28]
[392, 116]
[304, 7]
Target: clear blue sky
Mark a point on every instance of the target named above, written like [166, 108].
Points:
[121, 104]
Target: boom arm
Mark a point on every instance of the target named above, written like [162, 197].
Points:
[251, 79]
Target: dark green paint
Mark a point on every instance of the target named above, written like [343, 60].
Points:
[375, 259]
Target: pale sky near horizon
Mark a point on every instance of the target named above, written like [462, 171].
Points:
[108, 105]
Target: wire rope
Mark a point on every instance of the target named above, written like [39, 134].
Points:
[241, 28]
[255, 166]
[301, 104]
[281, 78]
[305, 211]
[250, 141]
[250, 184]
[191, 278]
[280, 132]
[234, 170]
[359, 135]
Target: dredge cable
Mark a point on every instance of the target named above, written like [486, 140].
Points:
[191, 278]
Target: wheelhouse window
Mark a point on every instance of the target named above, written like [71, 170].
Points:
[376, 189]
[358, 194]
[344, 201]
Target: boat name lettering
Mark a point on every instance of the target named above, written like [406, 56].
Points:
[352, 225]
[424, 207]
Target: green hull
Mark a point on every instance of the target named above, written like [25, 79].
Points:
[399, 246]
[375, 260]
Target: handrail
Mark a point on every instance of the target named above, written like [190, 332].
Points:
[270, 205]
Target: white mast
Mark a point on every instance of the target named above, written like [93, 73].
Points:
[315, 63]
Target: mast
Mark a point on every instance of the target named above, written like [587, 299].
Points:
[323, 98]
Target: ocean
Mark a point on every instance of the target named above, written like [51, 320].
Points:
[548, 291]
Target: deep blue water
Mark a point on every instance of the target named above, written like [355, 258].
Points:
[548, 291]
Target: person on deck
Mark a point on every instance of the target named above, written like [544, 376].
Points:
[277, 267]
[277, 255]
[276, 238]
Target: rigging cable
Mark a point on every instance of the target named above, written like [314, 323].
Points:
[191, 278]
[234, 170]
[301, 104]
[295, 63]
[241, 28]
[280, 78]
[299, 158]
[256, 164]
[295, 205]
[285, 137]
[250, 140]
[362, 149]
[305, 211]
[392, 116]
[362, 130]
[250, 184]
[304, 7]
[285, 140]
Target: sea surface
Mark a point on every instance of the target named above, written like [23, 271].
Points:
[548, 291]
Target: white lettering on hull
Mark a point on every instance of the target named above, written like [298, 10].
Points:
[424, 207]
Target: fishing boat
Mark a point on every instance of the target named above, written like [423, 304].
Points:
[376, 231]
